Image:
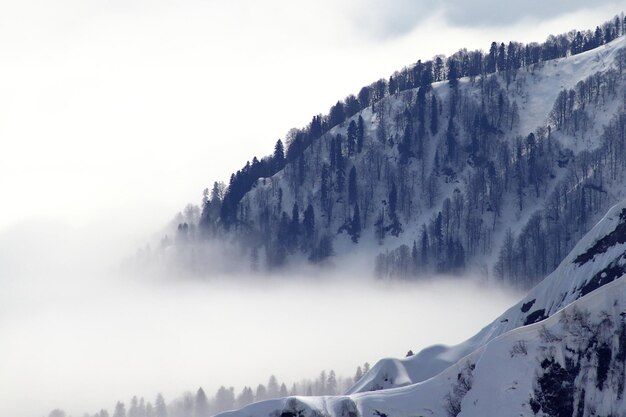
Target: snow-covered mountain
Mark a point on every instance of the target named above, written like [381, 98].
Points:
[501, 171]
[561, 351]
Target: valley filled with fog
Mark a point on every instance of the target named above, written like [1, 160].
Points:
[79, 333]
[115, 115]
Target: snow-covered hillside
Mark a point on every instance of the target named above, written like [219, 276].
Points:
[497, 173]
[559, 352]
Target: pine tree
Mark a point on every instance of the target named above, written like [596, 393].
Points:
[356, 225]
[352, 138]
[360, 134]
[424, 247]
[308, 223]
[340, 166]
[279, 156]
[358, 375]
[160, 409]
[225, 399]
[272, 387]
[491, 58]
[133, 410]
[245, 397]
[352, 186]
[120, 410]
[261, 393]
[294, 227]
[201, 408]
[331, 383]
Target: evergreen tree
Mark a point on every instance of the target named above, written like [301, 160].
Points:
[491, 58]
[340, 162]
[360, 134]
[225, 399]
[453, 73]
[337, 114]
[356, 225]
[272, 387]
[294, 227]
[142, 407]
[352, 186]
[201, 408]
[245, 397]
[279, 156]
[160, 409]
[325, 192]
[424, 247]
[308, 223]
[358, 375]
[261, 393]
[352, 138]
[501, 60]
[133, 410]
[322, 383]
[331, 383]
[120, 410]
[380, 226]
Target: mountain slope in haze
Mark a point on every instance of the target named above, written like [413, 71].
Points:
[499, 173]
[559, 352]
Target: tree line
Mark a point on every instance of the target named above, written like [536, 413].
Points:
[500, 58]
[198, 404]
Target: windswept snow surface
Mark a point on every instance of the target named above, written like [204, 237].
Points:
[570, 281]
[500, 373]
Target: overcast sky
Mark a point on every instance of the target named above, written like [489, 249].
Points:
[121, 111]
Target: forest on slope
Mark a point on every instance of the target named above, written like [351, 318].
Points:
[493, 162]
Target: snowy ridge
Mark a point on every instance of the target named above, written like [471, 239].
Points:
[530, 95]
[570, 281]
[562, 330]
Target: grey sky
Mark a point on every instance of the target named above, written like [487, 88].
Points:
[392, 18]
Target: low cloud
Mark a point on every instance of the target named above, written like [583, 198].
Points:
[388, 19]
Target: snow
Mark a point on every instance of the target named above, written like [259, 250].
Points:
[418, 385]
[533, 88]
[557, 290]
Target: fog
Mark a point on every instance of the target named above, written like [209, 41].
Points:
[79, 334]
[116, 114]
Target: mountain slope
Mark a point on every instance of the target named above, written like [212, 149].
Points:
[497, 173]
[598, 259]
[571, 363]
